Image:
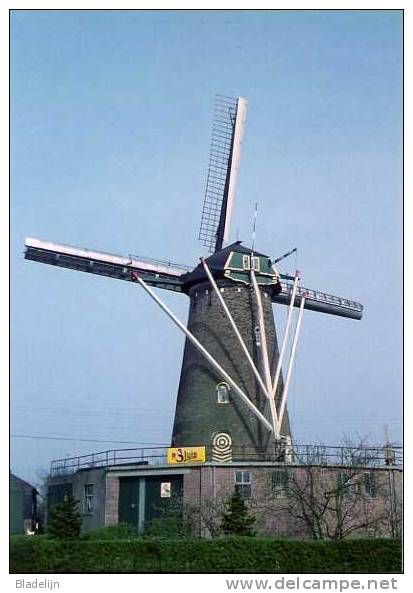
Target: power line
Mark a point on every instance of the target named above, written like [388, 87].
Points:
[373, 422]
[96, 410]
[29, 436]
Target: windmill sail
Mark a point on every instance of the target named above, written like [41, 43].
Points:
[225, 153]
[156, 273]
[316, 300]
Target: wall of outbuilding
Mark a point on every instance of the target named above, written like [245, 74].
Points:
[96, 477]
[207, 487]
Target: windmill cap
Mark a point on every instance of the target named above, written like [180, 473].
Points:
[216, 263]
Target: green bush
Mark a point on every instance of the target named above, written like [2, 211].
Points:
[236, 520]
[168, 527]
[221, 555]
[112, 532]
[65, 521]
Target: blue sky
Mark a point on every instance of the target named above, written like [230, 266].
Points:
[111, 117]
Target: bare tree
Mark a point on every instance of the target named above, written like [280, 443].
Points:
[336, 499]
[205, 517]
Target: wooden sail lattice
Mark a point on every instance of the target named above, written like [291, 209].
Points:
[225, 112]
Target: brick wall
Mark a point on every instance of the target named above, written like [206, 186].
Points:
[206, 489]
[209, 487]
[112, 500]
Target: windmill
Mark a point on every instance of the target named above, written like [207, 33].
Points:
[232, 396]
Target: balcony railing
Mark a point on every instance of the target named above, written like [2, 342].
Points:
[284, 453]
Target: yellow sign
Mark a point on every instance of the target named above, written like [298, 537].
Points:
[186, 454]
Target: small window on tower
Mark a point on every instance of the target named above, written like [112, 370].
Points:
[223, 390]
[257, 336]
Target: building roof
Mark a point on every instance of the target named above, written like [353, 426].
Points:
[16, 482]
[217, 260]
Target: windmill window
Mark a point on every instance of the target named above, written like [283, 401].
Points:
[243, 484]
[223, 393]
[88, 501]
[257, 334]
[256, 264]
[246, 262]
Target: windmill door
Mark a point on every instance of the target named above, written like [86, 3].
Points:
[129, 496]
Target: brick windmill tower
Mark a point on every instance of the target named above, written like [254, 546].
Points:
[231, 396]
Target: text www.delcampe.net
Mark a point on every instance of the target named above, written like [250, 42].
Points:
[305, 584]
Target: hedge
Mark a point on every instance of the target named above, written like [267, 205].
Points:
[221, 555]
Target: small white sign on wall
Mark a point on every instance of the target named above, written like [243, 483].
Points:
[165, 489]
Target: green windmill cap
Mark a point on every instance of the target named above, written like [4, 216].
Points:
[217, 263]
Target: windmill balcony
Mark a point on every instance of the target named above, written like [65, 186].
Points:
[295, 454]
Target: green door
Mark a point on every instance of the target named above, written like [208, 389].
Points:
[129, 500]
[163, 496]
